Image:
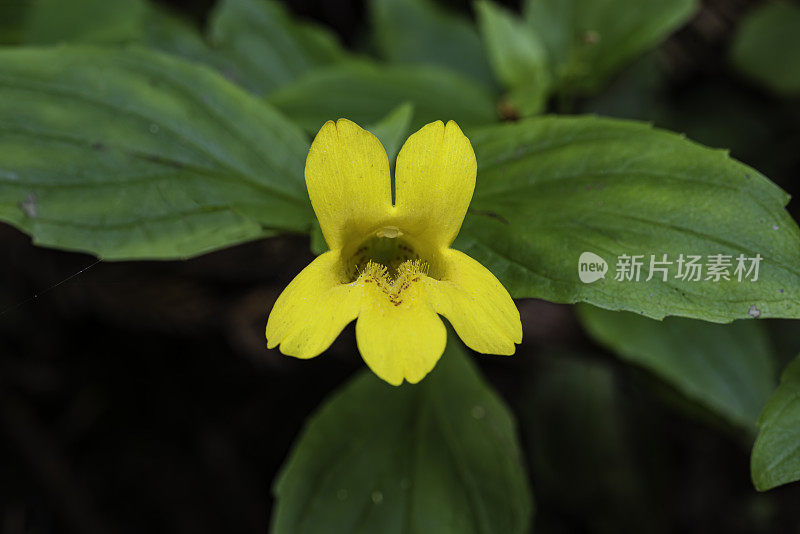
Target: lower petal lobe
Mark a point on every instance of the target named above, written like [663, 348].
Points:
[313, 309]
[400, 339]
[480, 309]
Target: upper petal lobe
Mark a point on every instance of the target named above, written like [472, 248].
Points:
[347, 175]
[435, 179]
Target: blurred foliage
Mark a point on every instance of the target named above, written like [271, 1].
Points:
[111, 21]
[611, 460]
[728, 368]
[12, 15]
[518, 59]
[767, 47]
[591, 434]
[589, 40]
[422, 32]
[270, 48]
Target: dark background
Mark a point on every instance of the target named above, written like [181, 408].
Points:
[141, 397]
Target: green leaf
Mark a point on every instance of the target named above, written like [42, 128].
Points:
[588, 40]
[268, 47]
[365, 92]
[518, 57]
[85, 21]
[421, 32]
[132, 154]
[776, 453]
[767, 47]
[440, 456]
[552, 188]
[726, 368]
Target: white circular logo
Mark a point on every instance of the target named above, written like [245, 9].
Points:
[591, 267]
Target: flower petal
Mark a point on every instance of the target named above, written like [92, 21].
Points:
[476, 304]
[399, 341]
[347, 175]
[435, 179]
[313, 309]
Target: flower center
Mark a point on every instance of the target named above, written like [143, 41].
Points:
[382, 250]
[399, 288]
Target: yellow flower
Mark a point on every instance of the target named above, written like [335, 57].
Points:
[390, 265]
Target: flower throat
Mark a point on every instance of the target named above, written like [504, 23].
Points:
[390, 254]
